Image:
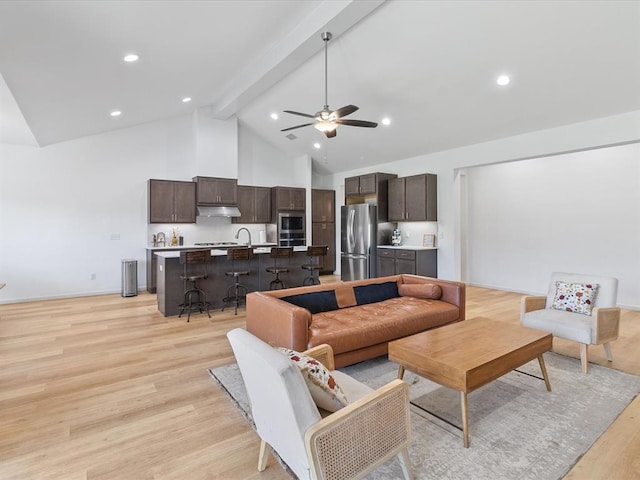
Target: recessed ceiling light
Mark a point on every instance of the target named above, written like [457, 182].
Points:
[186, 99]
[503, 80]
[316, 145]
[386, 121]
[132, 57]
[116, 113]
[274, 116]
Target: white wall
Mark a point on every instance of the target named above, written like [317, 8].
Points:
[261, 164]
[216, 146]
[576, 212]
[78, 208]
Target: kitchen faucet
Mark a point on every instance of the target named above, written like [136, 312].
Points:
[248, 232]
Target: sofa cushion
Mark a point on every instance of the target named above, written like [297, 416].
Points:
[376, 292]
[324, 389]
[315, 302]
[575, 297]
[420, 290]
[345, 296]
[366, 325]
[572, 326]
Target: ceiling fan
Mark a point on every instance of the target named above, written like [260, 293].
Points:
[327, 120]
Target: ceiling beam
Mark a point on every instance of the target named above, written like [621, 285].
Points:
[289, 52]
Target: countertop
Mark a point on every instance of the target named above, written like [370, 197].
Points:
[216, 252]
[226, 245]
[407, 247]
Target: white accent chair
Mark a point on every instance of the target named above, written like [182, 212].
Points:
[349, 443]
[601, 327]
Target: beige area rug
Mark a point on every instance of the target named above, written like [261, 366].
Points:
[518, 430]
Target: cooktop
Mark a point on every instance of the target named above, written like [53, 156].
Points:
[213, 244]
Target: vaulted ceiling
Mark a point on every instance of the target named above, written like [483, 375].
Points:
[429, 66]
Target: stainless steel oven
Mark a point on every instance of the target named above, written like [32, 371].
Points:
[291, 229]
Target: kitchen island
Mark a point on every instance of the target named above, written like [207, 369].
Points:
[152, 259]
[170, 289]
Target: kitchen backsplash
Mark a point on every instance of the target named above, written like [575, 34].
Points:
[413, 232]
[208, 229]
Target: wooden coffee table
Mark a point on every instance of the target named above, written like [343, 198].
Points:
[470, 354]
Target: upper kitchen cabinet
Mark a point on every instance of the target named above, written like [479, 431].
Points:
[254, 204]
[217, 191]
[172, 201]
[365, 184]
[323, 205]
[413, 199]
[370, 188]
[289, 198]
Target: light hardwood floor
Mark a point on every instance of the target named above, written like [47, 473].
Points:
[105, 387]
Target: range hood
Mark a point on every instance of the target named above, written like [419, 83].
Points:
[217, 211]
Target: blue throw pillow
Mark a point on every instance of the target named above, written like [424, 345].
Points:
[376, 292]
[315, 302]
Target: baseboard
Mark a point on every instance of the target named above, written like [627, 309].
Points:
[64, 295]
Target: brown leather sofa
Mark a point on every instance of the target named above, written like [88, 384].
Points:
[356, 318]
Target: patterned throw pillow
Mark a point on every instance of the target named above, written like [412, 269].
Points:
[326, 393]
[575, 297]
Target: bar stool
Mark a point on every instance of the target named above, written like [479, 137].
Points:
[314, 252]
[237, 293]
[194, 268]
[276, 253]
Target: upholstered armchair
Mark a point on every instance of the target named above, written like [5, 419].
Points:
[600, 326]
[349, 443]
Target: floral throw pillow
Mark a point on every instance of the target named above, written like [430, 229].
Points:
[326, 393]
[575, 297]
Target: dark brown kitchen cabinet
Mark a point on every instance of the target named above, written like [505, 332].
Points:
[289, 198]
[324, 233]
[172, 201]
[370, 188]
[323, 205]
[413, 199]
[352, 186]
[386, 262]
[217, 191]
[323, 230]
[365, 184]
[394, 261]
[406, 262]
[254, 204]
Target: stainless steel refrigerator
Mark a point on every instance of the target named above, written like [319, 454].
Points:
[359, 232]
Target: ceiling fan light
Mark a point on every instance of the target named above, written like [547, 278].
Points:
[325, 126]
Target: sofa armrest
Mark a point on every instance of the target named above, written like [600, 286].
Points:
[277, 322]
[529, 303]
[324, 354]
[605, 324]
[382, 415]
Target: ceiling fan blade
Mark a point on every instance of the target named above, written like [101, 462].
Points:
[346, 110]
[331, 133]
[298, 113]
[357, 123]
[297, 126]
